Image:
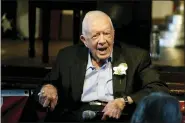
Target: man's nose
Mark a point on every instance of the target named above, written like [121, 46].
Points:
[102, 39]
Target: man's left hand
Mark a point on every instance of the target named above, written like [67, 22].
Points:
[113, 109]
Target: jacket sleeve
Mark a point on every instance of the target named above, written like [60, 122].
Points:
[150, 79]
[53, 77]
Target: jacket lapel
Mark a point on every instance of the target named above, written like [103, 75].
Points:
[78, 71]
[119, 81]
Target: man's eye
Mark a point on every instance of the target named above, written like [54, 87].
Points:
[95, 36]
[107, 33]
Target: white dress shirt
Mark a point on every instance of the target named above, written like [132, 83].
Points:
[98, 83]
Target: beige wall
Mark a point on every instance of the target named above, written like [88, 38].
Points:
[22, 22]
[160, 9]
[22, 18]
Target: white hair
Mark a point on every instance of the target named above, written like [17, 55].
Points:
[90, 16]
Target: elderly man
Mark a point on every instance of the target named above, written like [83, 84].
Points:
[101, 75]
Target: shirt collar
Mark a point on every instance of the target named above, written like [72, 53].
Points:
[89, 63]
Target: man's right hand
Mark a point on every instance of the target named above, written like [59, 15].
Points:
[48, 96]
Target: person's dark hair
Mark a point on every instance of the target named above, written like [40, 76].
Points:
[157, 107]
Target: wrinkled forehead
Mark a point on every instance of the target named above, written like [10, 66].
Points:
[101, 24]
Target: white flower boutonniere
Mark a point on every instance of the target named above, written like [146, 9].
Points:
[120, 69]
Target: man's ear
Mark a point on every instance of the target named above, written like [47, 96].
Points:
[82, 38]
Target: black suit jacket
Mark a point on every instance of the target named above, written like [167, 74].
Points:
[68, 75]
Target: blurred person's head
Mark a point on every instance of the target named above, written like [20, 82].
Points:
[157, 108]
[98, 34]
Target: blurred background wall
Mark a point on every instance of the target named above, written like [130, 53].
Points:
[160, 9]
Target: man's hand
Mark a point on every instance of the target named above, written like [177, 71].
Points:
[113, 109]
[48, 96]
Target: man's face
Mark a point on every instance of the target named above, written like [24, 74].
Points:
[100, 38]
